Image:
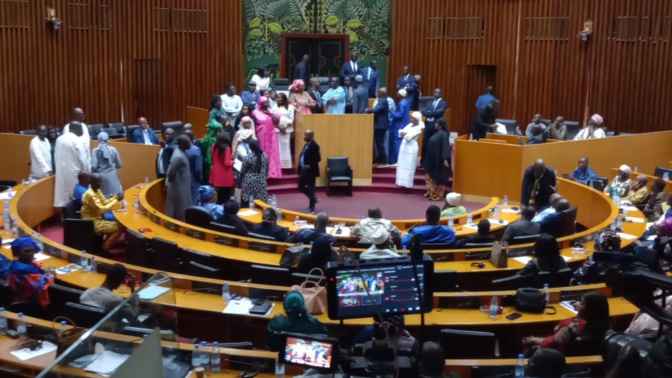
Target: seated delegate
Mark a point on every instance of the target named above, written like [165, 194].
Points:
[268, 226]
[307, 234]
[547, 257]
[28, 280]
[523, 226]
[453, 206]
[320, 254]
[555, 197]
[103, 297]
[207, 199]
[231, 218]
[366, 227]
[637, 192]
[481, 237]
[431, 231]
[653, 207]
[619, 185]
[552, 224]
[583, 173]
[296, 318]
[382, 247]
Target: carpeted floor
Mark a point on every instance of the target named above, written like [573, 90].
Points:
[393, 205]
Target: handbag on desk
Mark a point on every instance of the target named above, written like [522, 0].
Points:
[498, 255]
[532, 300]
[314, 295]
[64, 339]
[291, 255]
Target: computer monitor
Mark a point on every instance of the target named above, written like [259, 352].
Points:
[309, 351]
[392, 288]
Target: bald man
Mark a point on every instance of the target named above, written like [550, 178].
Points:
[78, 116]
[144, 134]
[538, 184]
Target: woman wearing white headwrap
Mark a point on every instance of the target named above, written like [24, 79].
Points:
[408, 152]
[453, 206]
[246, 124]
[619, 185]
[593, 129]
[399, 119]
[105, 161]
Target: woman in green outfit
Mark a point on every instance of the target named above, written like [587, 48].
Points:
[452, 208]
[208, 140]
[297, 320]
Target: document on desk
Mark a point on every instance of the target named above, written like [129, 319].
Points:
[623, 235]
[247, 213]
[41, 256]
[242, 306]
[5, 196]
[510, 211]
[345, 232]
[152, 292]
[525, 259]
[634, 220]
[26, 354]
[107, 363]
[569, 305]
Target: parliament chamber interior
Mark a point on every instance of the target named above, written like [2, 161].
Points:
[335, 188]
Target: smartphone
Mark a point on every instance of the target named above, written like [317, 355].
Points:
[339, 231]
[513, 316]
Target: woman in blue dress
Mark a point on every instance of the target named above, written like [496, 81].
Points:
[400, 118]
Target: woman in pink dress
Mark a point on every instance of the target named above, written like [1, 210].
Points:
[267, 120]
[299, 98]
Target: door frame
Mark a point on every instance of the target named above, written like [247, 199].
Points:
[283, 43]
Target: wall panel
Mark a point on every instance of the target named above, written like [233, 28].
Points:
[117, 59]
[541, 63]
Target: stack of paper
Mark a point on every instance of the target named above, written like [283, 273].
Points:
[25, 353]
[107, 363]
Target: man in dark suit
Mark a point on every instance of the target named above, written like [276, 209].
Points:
[523, 226]
[314, 92]
[360, 98]
[371, 77]
[407, 82]
[351, 68]
[381, 123]
[143, 134]
[433, 111]
[481, 237]
[168, 145]
[309, 169]
[538, 184]
[301, 69]
[484, 120]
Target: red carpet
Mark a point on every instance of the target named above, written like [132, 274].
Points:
[393, 205]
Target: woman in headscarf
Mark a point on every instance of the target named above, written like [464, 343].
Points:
[267, 120]
[453, 206]
[231, 218]
[246, 111]
[207, 199]
[105, 161]
[437, 165]
[213, 127]
[297, 319]
[619, 185]
[408, 152]
[246, 124]
[399, 119]
[284, 130]
[299, 98]
[216, 109]
[269, 226]
[29, 281]
[240, 151]
[320, 254]
[221, 172]
[253, 172]
[593, 129]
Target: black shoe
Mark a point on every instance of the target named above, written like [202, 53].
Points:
[310, 211]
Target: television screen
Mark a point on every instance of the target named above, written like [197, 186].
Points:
[306, 351]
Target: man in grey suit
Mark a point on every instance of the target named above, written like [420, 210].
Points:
[523, 226]
[360, 98]
[178, 180]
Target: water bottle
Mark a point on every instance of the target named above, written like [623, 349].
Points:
[196, 356]
[506, 200]
[496, 211]
[215, 358]
[205, 356]
[614, 224]
[547, 295]
[40, 243]
[297, 220]
[251, 202]
[15, 228]
[6, 219]
[23, 183]
[146, 180]
[92, 268]
[275, 201]
[3, 321]
[226, 295]
[636, 169]
[494, 306]
[451, 221]
[136, 202]
[520, 367]
[470, 218]
[84, 261]
[471, 136]
[62, 329]
[666, 176]
[21, 327]
[616, 199]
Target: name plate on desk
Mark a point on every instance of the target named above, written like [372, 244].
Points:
[261, 247]
[226, 240]
[143, 211]
[154, 218]
[171, 226]
[195, 233]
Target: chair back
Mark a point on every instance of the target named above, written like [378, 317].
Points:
[59, 295]
[83, 315]
[120, 126]
[457, 343]
[72, 211]
[599, 183]
[175, 125]
[445, 280]
[166, 255]
[7, 183]
[198, 216]
[509, 123]
[568, 221]
[554, 279]
[435, 246]
[94, 130]
[28, 132]
[130, 130]
[269, 275]
[80, 234]
[282, 84]
[201, 270]
[260, 236]
[573, 128]
[660, 171]
[523, 239]
[338, 165]
[220, 227]
[138, 251]
[513, 282]
[112, 132]
[477, 245]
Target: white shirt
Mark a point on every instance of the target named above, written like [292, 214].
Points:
[232, 105]
[598, 132]
[85, 139]
[262, 84]
[146, 136]
[40, 157]
[161, 169]
[71, 159]
[354, 66]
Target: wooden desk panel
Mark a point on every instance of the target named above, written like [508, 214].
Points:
[199, 118]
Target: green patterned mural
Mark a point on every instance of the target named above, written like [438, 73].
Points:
[366, 22]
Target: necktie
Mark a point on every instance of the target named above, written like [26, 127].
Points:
[436, 102]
